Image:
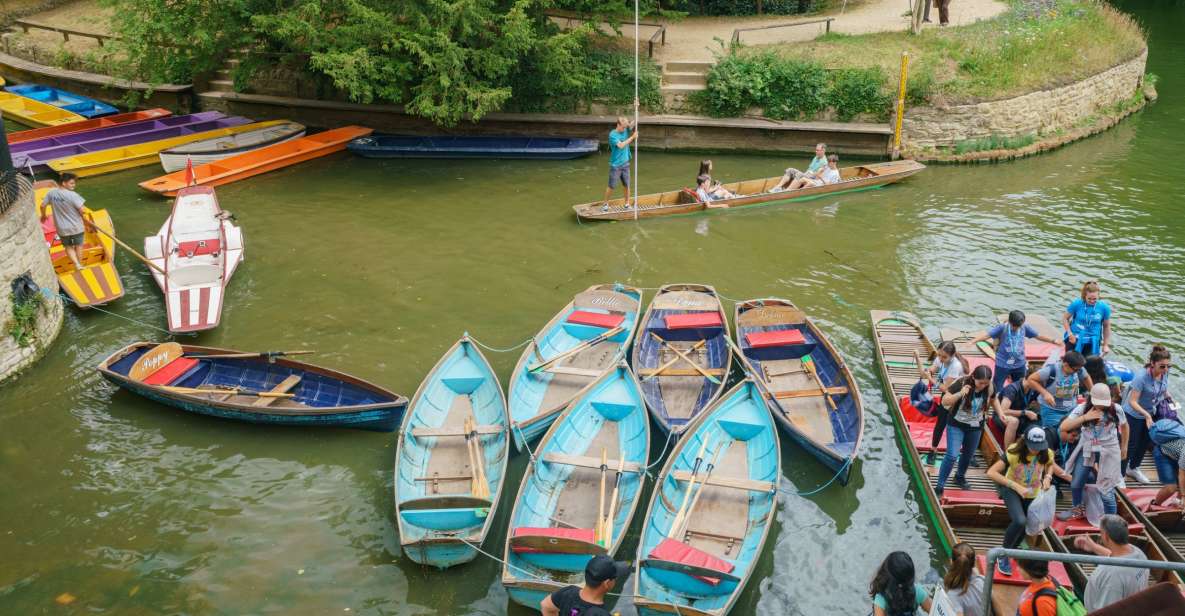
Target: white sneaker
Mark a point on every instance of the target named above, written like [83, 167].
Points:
[1122, 484]
[1138, 476]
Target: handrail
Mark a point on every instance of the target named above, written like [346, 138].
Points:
[994, 554]
[25, 25]
[736, 34]
[659, 34]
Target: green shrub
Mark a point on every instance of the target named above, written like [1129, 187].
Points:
[604, 76]
[736, 83]
[745, 7]
[858, 90]
[994, 142]
[23, 325]
[920, 86]
[797, 89]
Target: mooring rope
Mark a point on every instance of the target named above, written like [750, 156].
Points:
[64, 298]
[506, 350]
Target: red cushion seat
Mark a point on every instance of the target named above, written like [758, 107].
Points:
[971, 497]
[171, 371]
[773, 338]
[1056, 570]
[694, 320]
[1142, 499]
[198, 247]
[586, 535]
[1080, 526]
[596, 319]
[679, 552]
[921, 433]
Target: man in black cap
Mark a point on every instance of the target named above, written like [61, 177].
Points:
[600, 576]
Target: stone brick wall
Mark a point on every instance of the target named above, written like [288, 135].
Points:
[1038, 113]
[22, 249]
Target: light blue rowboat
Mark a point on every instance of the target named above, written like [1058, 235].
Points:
[583, 340]
[441, 516]
[667, 352]
[700, 565]
[553, 527]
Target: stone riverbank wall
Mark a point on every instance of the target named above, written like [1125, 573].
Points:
[22, 250]
[1040, 114]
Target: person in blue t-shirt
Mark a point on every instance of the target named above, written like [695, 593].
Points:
[817, 166]
[1010, 347]
[1087, 322]
[620, 139]
[1057, 387]
[1148, 390]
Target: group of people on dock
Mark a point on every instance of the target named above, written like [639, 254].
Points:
[1072, 420]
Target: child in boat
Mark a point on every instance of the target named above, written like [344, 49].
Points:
[818, 163]
[1040, 597]
[963, 584]
[1087, 322]
[1010, 347]
[705, 194]
[894, 591]
[715, 189]
[948, 366]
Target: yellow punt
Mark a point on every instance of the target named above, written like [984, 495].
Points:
[139, 155]
[98, 282]
[35, 113]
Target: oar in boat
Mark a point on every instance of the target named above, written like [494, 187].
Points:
[599, 530]
[699, 459]
[702, 484]
[226, 390]
[671, 361]
[809, 365]
[685, 358]
[608, 534]
[922, 373]
[131, 250]
[269, 355]
[481, 487]
[474, 482]
[605, 335]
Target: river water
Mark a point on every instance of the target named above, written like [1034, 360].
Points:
[134, 508]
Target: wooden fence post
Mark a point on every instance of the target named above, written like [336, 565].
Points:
[900, 105]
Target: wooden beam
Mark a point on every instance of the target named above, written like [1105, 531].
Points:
[679, 372]
[454, 431]
[589, 462]
[809, 393]
[282, 387]
[736, 483]
[573, 371]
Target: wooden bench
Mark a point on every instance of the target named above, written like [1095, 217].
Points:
[282, 387]
[736, 483]
[809, 393]
[454, 431]
[590, 462]
[680, 372]
[573, 371]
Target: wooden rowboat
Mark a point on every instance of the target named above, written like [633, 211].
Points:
[33, 113]
[218, 148]
[77, 103]
[711, 510]
[977, 516]
[1164, 524]
[98, 282]
[406, 146]
[450, 461]
[85, 125]
[682, 353]
[255, 162]
[263, 388]
[583, 340]
[141, 154]
[810, 390]
[568, 509]
[197, 250]
[749, 192]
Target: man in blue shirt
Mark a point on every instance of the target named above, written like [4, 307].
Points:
[1010, 347]
[1088, 323]
[1057, 386]
[817, 166]
[620, 139]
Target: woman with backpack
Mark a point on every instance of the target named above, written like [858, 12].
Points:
[966, 404]
[893, 589]
[963, 584]
[1087, 322]
[1026, 469]
[948, 367]
[1102, 439]
[1148, 392]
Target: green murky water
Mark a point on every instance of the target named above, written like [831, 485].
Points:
[135, 508]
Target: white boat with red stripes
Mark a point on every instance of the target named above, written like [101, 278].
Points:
[197, 251]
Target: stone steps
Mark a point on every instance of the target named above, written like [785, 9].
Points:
[222, 85]
[688, 67]
[681, 78]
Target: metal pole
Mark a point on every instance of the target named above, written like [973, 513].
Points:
[637, 66]
[994, 554]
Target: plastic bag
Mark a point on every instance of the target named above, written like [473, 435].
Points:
[1093, 499]
[1041, 512]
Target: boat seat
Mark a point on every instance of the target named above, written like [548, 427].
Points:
[678, 552]
[454, 431]
[1142, 499]
[282, 387]
[171, 372]
[596, 319]
[921, 434]
[573, 371]
[1056, 570]
[589, 462]
[971, 497]
[680, 372]
[773, 338]
[690, 194]
[694, 320]
[585, 535]
[199, 247]
[1080, 526]
[809, 392]
[736, 483]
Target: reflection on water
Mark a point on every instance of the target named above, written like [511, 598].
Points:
[379, 265]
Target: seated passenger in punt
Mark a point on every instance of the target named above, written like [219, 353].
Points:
[818, 164]
[829, 175]
[715, 189]
[706, 195]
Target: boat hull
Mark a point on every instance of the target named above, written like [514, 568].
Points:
[543, 148]
[75, 103]
[77, 127]
[201, 153]
[141, 154]
[98, 282]
[37, 154]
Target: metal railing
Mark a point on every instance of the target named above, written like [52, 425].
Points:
[994, 554]
[659, 36]
[736, 34]
[66, 33]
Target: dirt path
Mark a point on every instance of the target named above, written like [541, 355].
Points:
[84, 15]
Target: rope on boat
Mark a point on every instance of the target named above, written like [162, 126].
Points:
[538, 578]
[63, 298]
[506, 350]
[526, 443]
[670, 437]
[841, 470]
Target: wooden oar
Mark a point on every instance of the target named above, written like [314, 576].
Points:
[702, 484]
[605, 335]
[474, 480]
[699, 459]
[608, 527]
[687, 359]
[809, 365]
[922, 372]
[672, 361]
[267, 354]
[599, 527]
[483, 490]
[226, 390]
[131, 250]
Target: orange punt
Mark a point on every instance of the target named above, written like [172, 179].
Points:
[78, 127]
[258, 161]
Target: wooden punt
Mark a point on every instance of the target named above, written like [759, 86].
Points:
[77, 103]
[749, 192]
[34, 113]
[554, 530]
[700, 566]
[442, 503]
[977, 516]
[1165, 526]
[812, 394]
[320, 397]
[218, 148]
[86, 125]
[141, 154]
[583, 340]
[682, 353]
[447, 146]
[98, 282]
[256, 162]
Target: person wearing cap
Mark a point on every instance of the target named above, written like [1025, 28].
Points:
[1026, 468]
[1102, 440]
[1109, 583]
[1057, 387]
[600, 576]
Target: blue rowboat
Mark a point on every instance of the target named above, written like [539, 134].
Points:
[711, 509]
[319, 397]
[27, 153]
[682, 354]
[791, 359]
[583, 340]
[77, 103]
[444, 499]
[403, 146]
[554, 528]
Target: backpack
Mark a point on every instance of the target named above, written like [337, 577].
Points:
[1068, 604]
[1165, 430]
